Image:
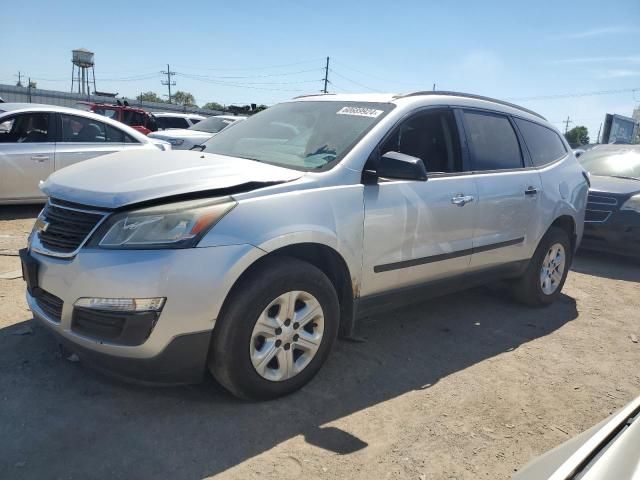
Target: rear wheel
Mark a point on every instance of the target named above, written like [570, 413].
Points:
[544, 278]
[276, 330]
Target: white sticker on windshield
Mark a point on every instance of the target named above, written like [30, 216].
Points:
[360, 112]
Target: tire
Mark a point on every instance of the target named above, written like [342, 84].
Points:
[271, 292]
[529, 288]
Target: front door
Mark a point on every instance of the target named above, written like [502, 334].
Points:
[414, 231]
[26, 155]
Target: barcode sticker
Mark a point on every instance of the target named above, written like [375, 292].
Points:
[360, 112]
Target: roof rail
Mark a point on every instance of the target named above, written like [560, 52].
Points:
[470, 95]
[313, 95]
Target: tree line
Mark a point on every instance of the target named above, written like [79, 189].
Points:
[188, 100]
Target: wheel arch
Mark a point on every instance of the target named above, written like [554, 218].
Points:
[323, 257]
[568, 224]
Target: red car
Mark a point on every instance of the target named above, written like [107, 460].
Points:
[136, 118]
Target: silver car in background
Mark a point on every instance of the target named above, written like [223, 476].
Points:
[187, 138]
[607, 451]
[249, 257]
[37, 140]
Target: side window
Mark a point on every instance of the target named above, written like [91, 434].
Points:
[194, 120]
[5, 129]
[114, 135]
[492, 141]
[25, 128]
[432, 137]
[129, 138]
[543, 144]
[172, 122]
[133, 118]
[84, 130]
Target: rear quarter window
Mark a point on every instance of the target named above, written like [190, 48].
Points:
[544, 145]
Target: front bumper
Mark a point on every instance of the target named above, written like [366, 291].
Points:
[620, 234]
[194, 281]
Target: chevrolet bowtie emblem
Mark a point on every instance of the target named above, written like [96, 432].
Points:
[41, 225]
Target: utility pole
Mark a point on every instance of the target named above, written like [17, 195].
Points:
[599, 130]
[326, 76]
[29, 89]
[434, 87]
[168, 82]
[566, 124]
[19, 84]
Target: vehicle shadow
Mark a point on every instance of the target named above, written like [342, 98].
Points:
[607, 265]
[61, 420]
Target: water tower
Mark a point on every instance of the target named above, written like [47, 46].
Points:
[83, 60]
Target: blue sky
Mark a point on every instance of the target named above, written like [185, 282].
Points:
[268, 51]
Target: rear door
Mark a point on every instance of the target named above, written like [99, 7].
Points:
[27, 151]
[508, 189]
[81, 138]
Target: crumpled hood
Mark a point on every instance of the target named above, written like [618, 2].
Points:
[125, 178]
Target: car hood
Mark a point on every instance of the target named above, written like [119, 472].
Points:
[180, 133]
[604, 184]
[125, 178]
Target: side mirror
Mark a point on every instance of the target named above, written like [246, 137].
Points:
[399, 166]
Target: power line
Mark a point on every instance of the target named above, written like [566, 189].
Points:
[574, 95]
[234, 77]
[353, 81]
[232, 69]
[373, 76]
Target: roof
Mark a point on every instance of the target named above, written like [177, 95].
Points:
[396, 97]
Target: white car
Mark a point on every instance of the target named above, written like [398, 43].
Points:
[167, 121]
[185, 139]
[36, 140]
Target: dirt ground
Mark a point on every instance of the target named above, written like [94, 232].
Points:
[467, 386]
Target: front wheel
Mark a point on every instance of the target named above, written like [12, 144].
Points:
[276, 330]
[544, 278]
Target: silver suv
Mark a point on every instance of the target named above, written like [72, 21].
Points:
[248, 258]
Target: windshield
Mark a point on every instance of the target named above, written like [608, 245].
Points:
[300, 135]
[212, 124]
[612, 162]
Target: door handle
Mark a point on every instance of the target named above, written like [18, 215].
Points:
[531, 191]
[461, 200]
[40, 158]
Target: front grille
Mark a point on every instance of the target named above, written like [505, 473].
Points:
[599, 208]
[49, 304]
[67, 227]
[596, 199]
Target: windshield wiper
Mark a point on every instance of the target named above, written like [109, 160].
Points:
[626, 178]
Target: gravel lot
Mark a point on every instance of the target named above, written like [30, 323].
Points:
[467, 386]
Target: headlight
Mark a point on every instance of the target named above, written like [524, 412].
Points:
[177, 225]
[632, 204]
[176, 141]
